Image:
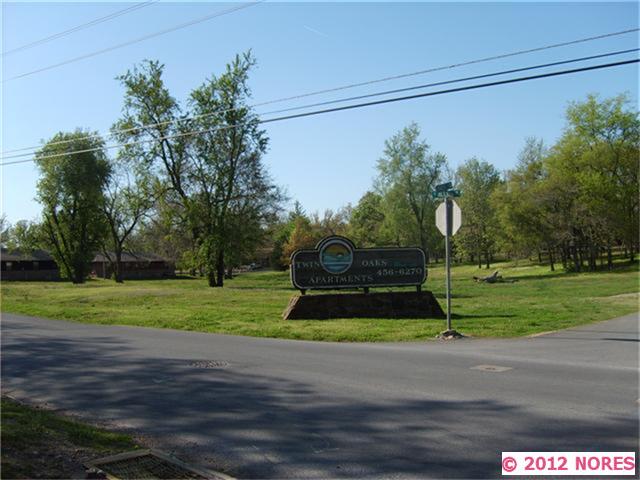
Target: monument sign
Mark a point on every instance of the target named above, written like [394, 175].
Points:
[336, 263]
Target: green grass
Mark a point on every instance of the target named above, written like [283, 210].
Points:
[37, 442]
[252, 304]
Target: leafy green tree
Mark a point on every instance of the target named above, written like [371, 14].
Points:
[331, 222]
[216, 177]
[129, 196]
[25, 236]
[302, 236]
[5, 228]
[528, 206]
[407, 174]
[579, 198]
[71, 191]
[366, 226]
[478, 180]
[599, 153]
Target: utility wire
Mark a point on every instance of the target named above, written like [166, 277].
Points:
[344, 87]
[77, 28]
[137, 40]
[343, 108]
[457, 80]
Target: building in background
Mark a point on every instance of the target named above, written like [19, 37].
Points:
[36, 265]
[134, 266]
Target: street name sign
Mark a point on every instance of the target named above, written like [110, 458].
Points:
[336, 263]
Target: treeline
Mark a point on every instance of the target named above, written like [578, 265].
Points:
[207, 202]
[571, 203]
[188, 181]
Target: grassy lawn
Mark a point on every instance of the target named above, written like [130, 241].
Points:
[252, 304]
[37, 443]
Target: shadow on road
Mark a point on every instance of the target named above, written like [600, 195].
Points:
[256, 426]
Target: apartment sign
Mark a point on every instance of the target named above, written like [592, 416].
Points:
[336, 263]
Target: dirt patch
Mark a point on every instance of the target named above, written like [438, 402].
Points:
[38, 443]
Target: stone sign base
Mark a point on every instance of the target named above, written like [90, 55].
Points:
[364, 305]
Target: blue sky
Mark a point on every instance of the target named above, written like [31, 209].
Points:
[324, 161]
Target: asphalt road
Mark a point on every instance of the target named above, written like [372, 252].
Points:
[265, 408]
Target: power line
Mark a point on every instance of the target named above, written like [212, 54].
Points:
[137, 40]
[453, 90]
[346, 107]
[77, 28]
[457, 80]
[471, 62]
[353, 85]
[387, 92]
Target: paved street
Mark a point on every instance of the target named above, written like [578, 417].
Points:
[292, 409]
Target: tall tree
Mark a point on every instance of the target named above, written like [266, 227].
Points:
[528, 206]
[407, 173]
[216, 177]
[71, 191]
[226, 170]
[478, 180]
[129, 196]
[366, 226]
[599, 153]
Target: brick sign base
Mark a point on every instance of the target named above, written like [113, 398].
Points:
[364, 305]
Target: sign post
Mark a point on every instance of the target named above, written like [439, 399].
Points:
[448, 221]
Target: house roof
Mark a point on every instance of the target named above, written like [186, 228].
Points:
[131, 257]
[19, 256]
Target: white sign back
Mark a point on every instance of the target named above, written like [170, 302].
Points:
[441, 217]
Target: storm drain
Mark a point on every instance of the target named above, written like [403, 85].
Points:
[209, 364]
[149, 464]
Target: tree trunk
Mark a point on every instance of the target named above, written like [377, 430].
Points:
[551, 259]
[78, 274]
[118, 267]
[609, 257]
[211, 277]
[576, 260]
[220, 269]
[487, 258]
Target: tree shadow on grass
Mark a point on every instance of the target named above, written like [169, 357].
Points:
[257, 426]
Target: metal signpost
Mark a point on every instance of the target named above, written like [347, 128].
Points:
[448, 221]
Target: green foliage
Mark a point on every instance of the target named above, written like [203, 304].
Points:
[302, 236]
[580, 198]
[25, 236]
[366, 227]
[222, 193]
[71, 191]
[129, 196]
[407, 174]
[478, 235]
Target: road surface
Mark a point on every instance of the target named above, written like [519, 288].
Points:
[267, 408]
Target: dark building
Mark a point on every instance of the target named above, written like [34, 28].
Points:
[36, 265]
[134, 266]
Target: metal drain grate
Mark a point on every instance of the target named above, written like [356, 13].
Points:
[150, 464]
[210, 364]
